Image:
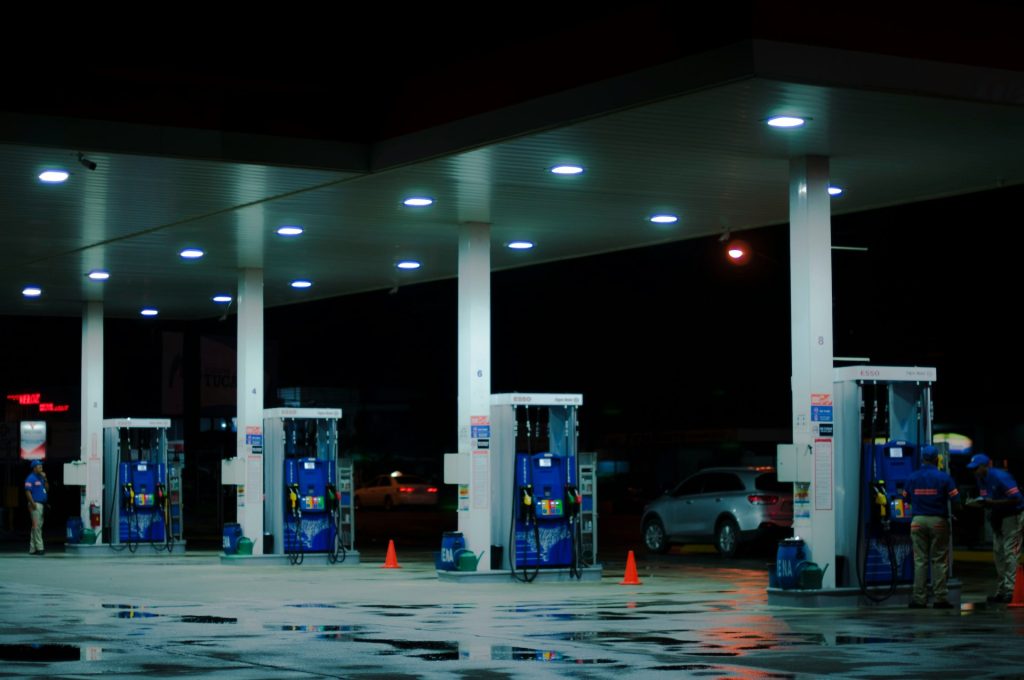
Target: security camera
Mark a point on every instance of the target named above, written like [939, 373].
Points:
[86, 162]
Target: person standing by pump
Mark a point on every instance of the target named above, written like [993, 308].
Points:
[1000, 495]
[931, 491]
[36, 489]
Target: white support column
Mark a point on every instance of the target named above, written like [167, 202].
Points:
[474, 368]
[249, 447]
[810, 242]
[92, 411]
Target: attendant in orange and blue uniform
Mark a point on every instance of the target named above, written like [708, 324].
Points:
[931, 491]
[1000, 494]
[36, 488]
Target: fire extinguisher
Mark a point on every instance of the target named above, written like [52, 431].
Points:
[94, 515]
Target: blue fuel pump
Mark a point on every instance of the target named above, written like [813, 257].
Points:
[143, 510]
[886, 550]
[546, 521]
[311, 500]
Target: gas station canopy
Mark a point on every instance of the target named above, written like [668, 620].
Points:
[686, 138]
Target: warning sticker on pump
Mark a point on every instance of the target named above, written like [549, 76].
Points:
[821, 414]
[825, 429]
[479, 420]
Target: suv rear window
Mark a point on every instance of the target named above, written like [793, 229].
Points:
[769, 482]
[717, 482]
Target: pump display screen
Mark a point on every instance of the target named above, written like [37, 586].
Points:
[544, 462]
[895, 453]
[309, 465]
[313, 503]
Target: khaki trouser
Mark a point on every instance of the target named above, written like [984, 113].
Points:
[930, 537]
[35, 543]
[1005, 552]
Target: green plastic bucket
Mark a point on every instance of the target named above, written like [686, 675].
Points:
[88, 537]
[245, 546]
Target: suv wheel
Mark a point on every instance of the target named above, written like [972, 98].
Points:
[655, 539]
[727, 537]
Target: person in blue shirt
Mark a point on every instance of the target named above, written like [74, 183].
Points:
[36, 489]
[930, 491]
[1000, 495]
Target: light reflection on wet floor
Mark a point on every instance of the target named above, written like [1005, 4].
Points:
[696, 631]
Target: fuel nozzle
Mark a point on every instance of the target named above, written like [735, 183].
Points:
[881, 499]
[573, 499]
[293, 497]
[526, 496]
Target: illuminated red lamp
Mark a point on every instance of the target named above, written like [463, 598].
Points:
[406, 489]
[432, 489]
[761, 499]
[738, 252]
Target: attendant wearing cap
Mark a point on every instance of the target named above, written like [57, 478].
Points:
[36, 488]
[930, 491]
[999, 493]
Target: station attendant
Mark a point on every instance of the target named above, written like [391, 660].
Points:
[999, 494]
[930, 491]
[36, 489]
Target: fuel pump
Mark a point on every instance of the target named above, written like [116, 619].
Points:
[308, 507]
[135, 468]
[312, 527]
[545, 526]
[887, 554]
[145, 514]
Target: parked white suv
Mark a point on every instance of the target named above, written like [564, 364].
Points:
[726, 505]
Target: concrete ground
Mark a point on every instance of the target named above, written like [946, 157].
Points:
[695, 615]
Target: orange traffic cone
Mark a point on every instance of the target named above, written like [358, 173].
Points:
[391, 561]
[1018, 588]
[631, 578]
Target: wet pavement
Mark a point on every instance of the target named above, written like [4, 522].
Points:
[694, 616]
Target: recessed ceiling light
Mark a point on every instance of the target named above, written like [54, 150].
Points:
[53, 176]
[663, 219]
[409, 264]
[301, 283]
[290, 230]
[31, 291]
[99, 275]
[191, 253]
[149, 311]
[418, 201]
[567, 169]
[222, 298]
[786, 121]
[835, 191]
[520, 245]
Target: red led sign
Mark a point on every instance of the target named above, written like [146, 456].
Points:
[32, 399]
[25, 399]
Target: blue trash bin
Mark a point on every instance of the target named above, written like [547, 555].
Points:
[232, 532]
[74, 529]
[790, 554]
[451, 543]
